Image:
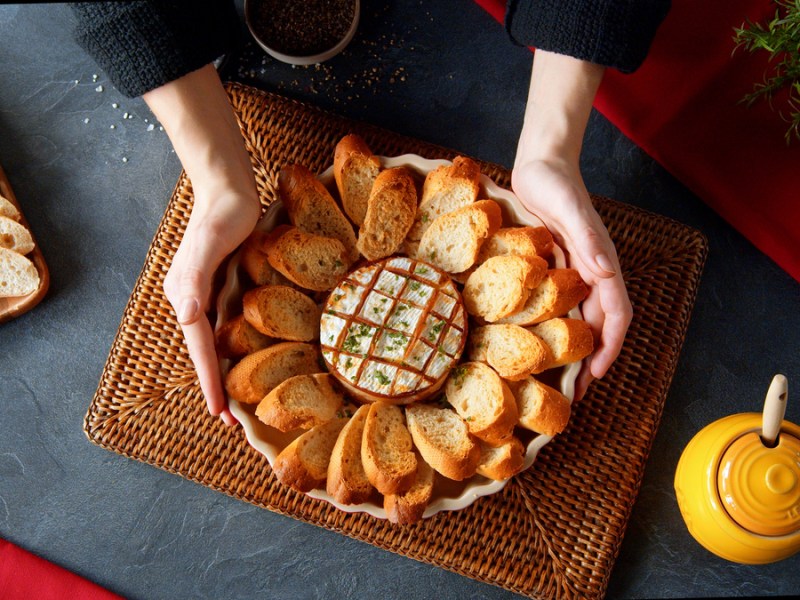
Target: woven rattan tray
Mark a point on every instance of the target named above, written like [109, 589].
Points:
[555, 530]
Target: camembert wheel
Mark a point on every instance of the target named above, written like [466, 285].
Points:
[392, 331]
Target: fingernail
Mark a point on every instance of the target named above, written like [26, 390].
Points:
[187, 311]
[605, 263]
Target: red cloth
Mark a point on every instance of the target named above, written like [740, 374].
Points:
[682, 107]
[24, 576]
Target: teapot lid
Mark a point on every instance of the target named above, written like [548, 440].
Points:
[760, 486]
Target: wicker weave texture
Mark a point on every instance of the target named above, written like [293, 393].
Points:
[555, 530]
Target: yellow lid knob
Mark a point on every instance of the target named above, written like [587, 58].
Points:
[759, 486]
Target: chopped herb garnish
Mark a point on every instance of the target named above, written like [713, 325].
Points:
[424, 217]
[405, 324]
[338, 297]
[458, 375]
[400, 308]
[414, 285]
[383, 300]
[376, 310]
[382, 378]
[348, 363]
[422, 270]
[337, 263]
[350, 343]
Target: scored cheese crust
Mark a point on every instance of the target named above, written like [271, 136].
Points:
[392, 331]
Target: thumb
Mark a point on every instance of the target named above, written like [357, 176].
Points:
[188, 290]
[595, 250]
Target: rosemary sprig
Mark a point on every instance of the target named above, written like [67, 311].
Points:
[780, 37]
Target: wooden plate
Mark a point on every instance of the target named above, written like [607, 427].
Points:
[17, 305]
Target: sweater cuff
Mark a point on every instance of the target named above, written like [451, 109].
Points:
[143, 45]
[612, 33]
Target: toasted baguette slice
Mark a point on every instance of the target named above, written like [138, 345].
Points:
[347, 480]
[253, 259]
[446, 188]
[303, 464]
[7, 209]
[501, 286]
[503, 461]
[443, 440]
[408, 507]
[355, 168]
[522, 241]
[541, 408]
[570, 340]
[453, 241]
[483, 400]
[282, 312]
[559, 292]
[312, 209]
[257, 374]
[18, 275]
[15, 236]
[300, 402]
[513, 351]
[386, 449]
[311, 261]
[237, 337]
[390, 213]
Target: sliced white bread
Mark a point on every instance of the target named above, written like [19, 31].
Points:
[282, 312]
[300, 402]
[522, 241]
[257, 374]
[446, 189]
[501, 285]
[15, 236]
[311, 261]
[443, 440]
[542, 408]
[18, 275]
[501, 462]
[570, 340]
[7, 209]
[347, 480]
[391, 208]
[483, 400]
[387, 449]
[312, 209]
[408, 507]
[237, 337]
[355, 169]
[453, 241]
[559, 292]
[303, 464]
[513, 351]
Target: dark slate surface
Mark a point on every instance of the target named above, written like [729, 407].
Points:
[94, 192]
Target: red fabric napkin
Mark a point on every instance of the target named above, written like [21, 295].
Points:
[682, 107]
[24, 576]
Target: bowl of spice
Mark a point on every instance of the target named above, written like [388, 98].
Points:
[302, 32]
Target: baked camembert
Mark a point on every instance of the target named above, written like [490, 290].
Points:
[392, 331]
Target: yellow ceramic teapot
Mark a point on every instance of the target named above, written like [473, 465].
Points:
[738, 484]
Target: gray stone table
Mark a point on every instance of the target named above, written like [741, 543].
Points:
[94, 171]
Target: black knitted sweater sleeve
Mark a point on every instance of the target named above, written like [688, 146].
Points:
[613, 33]
[144, 44]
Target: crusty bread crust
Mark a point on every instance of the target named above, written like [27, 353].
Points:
[387, 449]
[311, 261]
[347, 480]
[409, 507]
[19, 275]
[513, 351]
[570, 340]
[522, 241]
[355, 169]
[443, 440]
[391, 208]
[15, 236]
[300, 402]
[257, 374]
[446, 188]
[559, 292]
[282, 312]
[501, 286]
[7, 209]
[503, 461]
[254, 260]
[453, 241]
[484, 401]
[312, 209]
[237, 337]
[303, 464]
[541, 408]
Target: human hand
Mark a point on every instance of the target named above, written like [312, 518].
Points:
[554, 191]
